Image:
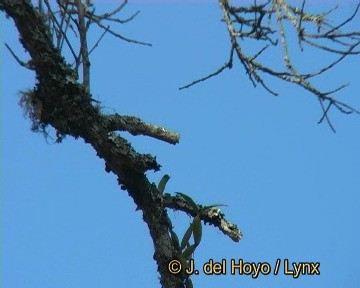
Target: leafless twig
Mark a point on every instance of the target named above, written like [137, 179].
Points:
[27, 65]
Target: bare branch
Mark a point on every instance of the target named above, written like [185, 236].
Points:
[83, 44]
[52, 15]
[27, 65]
[99, 40]
[222, 68]
[135, 126]
[117, 35]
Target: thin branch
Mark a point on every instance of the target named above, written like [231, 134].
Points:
[60, 30]
[117, 35]
[99, 40]
[325, 115]
[27, 65]
[83, 44]
[348, 20]
[222, 68]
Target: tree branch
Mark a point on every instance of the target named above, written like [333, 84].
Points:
[213, 215]
[135, 126]
[66, 106]
[27, 65]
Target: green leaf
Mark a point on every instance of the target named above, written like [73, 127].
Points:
[186, 237]
[175, 240]
[183, 262]
[189, 201]
[188, 283]
[215, 205]
[189, 251]
[197, 230]
[162, 183]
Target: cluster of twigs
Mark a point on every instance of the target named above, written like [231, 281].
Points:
[77, 17]
[266, 23]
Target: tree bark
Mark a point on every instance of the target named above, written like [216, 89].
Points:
[66, 106]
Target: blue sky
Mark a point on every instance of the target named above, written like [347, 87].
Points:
[292, 186]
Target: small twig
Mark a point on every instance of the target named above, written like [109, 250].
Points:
[27, 65]
[222, 68]
[98, 41]
[325, 115]
[106, 15]
[120, 36]
[83, 44]
[132, 17]
[336, 28]
[107, 18]
[58, 25]
[299, 28]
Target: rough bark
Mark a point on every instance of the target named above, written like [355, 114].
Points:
[66, 105]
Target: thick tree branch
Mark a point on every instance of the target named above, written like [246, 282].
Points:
[66, 105]
[136, 126]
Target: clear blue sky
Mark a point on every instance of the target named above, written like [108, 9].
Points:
[292, 186]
